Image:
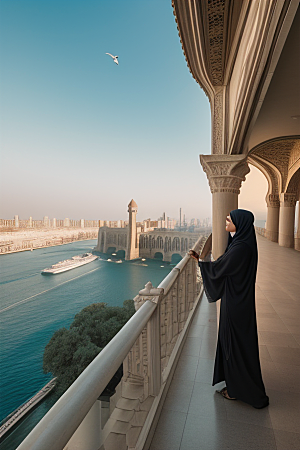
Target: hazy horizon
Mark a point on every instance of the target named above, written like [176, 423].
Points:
[82, 136]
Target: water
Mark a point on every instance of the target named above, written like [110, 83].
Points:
[34, 306]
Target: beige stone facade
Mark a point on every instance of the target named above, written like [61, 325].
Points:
[242, 54]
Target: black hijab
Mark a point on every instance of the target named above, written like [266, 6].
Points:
[240, 247]
[244, 223]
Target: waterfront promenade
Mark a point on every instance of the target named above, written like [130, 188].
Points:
[25, 239]
[24, 409]
[195, 417]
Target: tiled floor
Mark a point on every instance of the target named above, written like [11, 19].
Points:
[194, 417]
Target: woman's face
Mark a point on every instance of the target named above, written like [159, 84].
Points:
[230, 227]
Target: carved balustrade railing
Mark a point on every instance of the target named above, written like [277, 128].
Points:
[149, 346]
[261, 231]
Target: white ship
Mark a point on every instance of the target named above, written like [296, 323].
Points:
[68, 264]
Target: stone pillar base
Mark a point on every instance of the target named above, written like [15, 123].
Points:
[272, 218]
[286, 220]
[272, 235]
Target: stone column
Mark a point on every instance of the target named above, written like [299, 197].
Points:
[81, 223]
[225, 174]
[297, 237]
[272, 223]
[286, 220]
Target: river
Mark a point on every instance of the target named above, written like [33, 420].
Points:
[34, 306]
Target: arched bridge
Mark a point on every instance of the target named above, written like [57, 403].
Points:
[167, 243]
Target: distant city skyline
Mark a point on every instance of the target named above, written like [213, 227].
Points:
[80, 135]
[47, 218]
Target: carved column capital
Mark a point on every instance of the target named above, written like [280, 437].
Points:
[288, 200]
[225, 173]
[273, 200]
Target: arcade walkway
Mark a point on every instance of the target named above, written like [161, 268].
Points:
[194, 417]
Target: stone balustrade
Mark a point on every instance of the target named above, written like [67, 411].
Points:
[149, 346]
[261, 231]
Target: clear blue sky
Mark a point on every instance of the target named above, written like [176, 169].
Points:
[81, 136]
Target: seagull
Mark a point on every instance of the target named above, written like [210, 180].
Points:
[115, 58]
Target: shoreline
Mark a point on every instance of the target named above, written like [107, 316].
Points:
[44, 246]
[13, 418]
[29, 240]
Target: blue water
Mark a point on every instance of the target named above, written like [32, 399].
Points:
[34, 306]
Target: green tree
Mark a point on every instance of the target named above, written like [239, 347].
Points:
[69, 352]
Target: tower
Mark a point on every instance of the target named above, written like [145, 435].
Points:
[132, 247]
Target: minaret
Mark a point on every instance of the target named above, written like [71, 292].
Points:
[132, 247]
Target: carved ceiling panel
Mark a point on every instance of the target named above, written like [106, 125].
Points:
[295, 155]
[283, 153]
[294, 185]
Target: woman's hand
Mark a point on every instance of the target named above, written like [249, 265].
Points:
[193, 254]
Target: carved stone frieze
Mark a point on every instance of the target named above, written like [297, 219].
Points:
[205, 34]
[225, 173]
[287, 200]
[216, 16]
[217, 147]
[273, 200]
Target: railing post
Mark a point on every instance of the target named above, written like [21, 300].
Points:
[153, 337]
[88, 435]
[153, 350]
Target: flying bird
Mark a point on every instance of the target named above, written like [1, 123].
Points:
[115, 58]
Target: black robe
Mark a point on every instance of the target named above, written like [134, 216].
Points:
[232, 278]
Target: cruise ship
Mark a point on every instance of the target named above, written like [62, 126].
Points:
[68, 264]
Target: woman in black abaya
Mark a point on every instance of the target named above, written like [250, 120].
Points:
[232, 278]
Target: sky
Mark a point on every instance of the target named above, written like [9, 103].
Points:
[81, 136]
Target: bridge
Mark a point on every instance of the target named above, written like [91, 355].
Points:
[112, 239]
[167, 245]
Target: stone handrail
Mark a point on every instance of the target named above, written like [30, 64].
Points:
[149, 346]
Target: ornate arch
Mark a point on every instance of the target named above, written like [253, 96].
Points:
[279, 158]
[273, 178]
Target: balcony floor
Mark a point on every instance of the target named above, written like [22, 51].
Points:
[194, 417]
